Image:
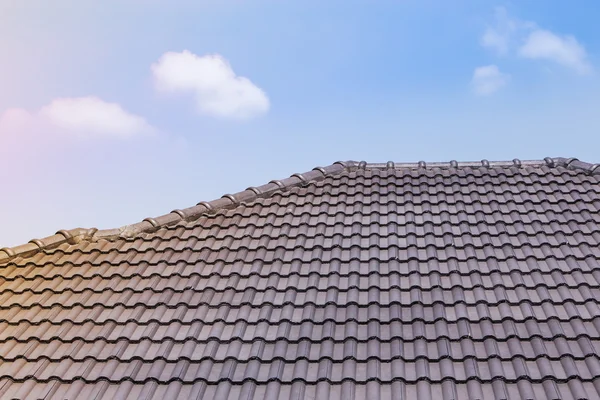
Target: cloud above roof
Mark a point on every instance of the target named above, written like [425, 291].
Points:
[488, 79]
[83, 116]
[218, 91]
[91, 115]
[526, 39]
[499, 36]
[564, 50]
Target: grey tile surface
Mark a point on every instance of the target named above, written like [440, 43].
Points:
[442, 282]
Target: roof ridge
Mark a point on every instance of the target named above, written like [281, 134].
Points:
[451, 164]
[570, 163]
[226, 201]
[73, 236]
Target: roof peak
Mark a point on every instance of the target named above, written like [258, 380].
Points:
[226, 201]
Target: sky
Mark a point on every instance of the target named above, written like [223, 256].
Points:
[114, 111]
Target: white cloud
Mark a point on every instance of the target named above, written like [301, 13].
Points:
[488, 79]
[495, 40]
[91, 115]
[508, 33]
[217, 89]
[79, 115]
[564, 50]
[499, 36]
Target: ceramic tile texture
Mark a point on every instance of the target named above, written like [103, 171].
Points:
[379, 281]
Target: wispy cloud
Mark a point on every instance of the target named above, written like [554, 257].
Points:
[488, 79]
[508, 35]
[83, 116]
[91, 115]
[564, 50]
[500, 35]
[218, 91]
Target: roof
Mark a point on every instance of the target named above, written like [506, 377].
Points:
[398, 280]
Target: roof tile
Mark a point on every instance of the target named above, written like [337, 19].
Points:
[427, 280]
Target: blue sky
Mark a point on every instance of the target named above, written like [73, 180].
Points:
[114, 111]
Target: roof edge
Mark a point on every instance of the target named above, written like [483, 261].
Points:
[71, 236]
[227, 201]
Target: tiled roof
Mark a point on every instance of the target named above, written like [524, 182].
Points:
[409, 281]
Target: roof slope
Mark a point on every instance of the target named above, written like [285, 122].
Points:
[447, 281]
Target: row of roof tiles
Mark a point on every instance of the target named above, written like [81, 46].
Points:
[397, 390]
[132, 331]
[566, 367]
[295, 316]
[534, 283]
[171, 351]
[234, 298]
[548, 272]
